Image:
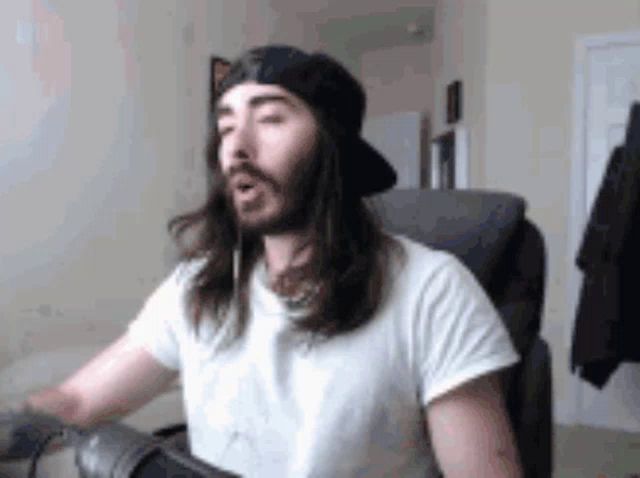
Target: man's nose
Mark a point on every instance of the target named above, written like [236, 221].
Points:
[241, 142]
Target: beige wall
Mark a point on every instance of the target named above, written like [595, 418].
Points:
[103, 130]
[458, 53]
[528, 126]
[102, 126]
[266, 25]
[397, 79]
[83, 179]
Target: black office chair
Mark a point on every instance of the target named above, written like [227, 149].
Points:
[489, 232]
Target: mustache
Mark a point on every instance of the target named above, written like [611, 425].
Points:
[251, 171]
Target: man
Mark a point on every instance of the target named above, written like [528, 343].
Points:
[309, 341]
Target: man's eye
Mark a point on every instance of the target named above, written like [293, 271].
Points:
[271, 119]
[224, 131]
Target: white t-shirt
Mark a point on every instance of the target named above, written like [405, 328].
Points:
[352, 406]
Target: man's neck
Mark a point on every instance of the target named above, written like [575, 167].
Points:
[284, 251]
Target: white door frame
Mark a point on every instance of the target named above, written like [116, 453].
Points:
[578, 208]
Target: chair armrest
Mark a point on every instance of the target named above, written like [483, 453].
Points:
[174, 435]
[531, 410]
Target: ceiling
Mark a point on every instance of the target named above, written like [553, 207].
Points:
[378, 30]
[344, 9]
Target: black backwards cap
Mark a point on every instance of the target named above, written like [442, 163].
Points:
[330, 90]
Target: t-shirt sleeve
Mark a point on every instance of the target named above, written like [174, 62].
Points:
[159, 325]
[464, 337]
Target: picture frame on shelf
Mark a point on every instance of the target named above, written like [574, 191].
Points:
[218, 68]
[454, 102]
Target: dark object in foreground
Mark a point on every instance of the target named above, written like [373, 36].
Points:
[113, 450]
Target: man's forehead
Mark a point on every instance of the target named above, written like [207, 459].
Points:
[246, 93]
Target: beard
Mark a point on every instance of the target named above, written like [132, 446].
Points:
[278, 207]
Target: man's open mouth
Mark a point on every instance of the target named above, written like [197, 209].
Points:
[244, 187]
[244, 183]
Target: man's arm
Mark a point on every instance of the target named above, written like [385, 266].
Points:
[119, 380]
[471, 433]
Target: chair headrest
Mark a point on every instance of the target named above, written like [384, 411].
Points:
[475, 225]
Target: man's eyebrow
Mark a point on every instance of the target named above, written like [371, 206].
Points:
[259, 100]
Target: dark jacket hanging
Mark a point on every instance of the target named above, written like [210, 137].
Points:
[607, 325]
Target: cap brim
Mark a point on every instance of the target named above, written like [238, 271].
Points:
[372, 173]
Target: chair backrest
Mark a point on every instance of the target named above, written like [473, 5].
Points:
[489, 233]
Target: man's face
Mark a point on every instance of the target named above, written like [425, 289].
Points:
[267, 144]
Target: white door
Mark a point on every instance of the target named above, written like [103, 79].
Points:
[609, 81]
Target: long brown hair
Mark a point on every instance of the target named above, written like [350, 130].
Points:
[351, 252]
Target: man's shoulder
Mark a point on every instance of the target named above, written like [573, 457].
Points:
[185, 270]
[422, 258]
[181, 276]
[427, 270]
